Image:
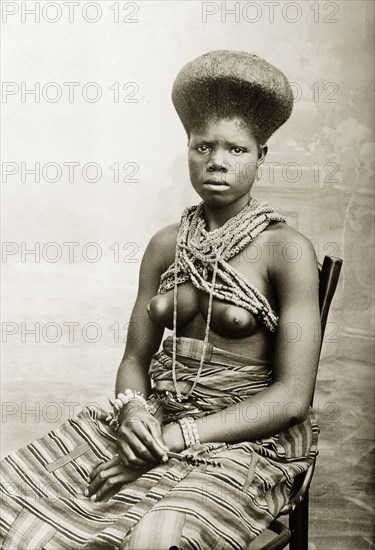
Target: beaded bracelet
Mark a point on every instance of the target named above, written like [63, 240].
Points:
[119, 403]
[189, 431]
[195, 460]
[194, 429]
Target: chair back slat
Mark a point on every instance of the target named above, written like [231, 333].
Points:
[329, 276]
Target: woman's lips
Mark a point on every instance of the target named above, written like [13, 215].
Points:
[215, 184]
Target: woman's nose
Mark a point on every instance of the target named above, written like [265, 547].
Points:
[216, 164]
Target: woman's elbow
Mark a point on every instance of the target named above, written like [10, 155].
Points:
[295, 412]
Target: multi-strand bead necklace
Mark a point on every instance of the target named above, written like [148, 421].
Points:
[199, 251]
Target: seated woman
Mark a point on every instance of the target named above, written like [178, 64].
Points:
[206, 436]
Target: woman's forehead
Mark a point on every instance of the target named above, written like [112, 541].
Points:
[224, 126]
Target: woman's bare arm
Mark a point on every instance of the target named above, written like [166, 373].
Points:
[139, 437]
[144, 335]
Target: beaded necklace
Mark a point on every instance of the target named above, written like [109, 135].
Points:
[199, 251]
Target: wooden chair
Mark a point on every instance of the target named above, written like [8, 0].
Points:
[298, 507]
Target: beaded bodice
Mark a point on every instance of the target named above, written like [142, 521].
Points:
[198, 251]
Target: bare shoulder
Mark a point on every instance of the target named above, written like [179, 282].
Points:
[289, 253]
[166, 236]
[165, 239]
[283, 234]
[162, 245]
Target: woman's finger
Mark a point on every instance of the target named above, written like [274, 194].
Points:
[134, 450]
[113, 484]
[128, 457]
[151, 440]
[104, 465]
[156, 433]
[142, 432]
[102, 478]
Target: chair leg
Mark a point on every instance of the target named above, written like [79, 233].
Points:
[299, 525]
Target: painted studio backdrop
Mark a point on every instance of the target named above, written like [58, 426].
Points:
[94, 162]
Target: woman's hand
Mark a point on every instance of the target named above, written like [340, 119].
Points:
[106, 479]
[140, 442]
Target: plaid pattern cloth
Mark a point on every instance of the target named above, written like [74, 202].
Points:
[199, 507]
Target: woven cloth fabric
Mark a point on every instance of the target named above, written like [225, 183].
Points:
[226, 378]
[193, 507]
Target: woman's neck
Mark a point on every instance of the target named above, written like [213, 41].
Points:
[216, 216]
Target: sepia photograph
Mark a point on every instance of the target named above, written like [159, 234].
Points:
[187, 261]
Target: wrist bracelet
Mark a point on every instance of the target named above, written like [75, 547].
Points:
[189, 431]
[119, 403]
[185, 432]
[194, 429]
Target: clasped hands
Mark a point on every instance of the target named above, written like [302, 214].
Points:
[141, 444]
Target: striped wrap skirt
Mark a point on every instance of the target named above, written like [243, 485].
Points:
[175, 504]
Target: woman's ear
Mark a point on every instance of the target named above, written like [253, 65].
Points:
[262, 152]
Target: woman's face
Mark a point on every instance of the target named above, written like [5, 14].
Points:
[223, 161]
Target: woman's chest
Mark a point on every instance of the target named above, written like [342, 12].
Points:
[228, 318]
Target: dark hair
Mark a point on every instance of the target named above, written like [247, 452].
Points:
[227, 84]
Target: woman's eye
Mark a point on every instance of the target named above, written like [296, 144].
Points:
[202, 148]
[238, 150]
